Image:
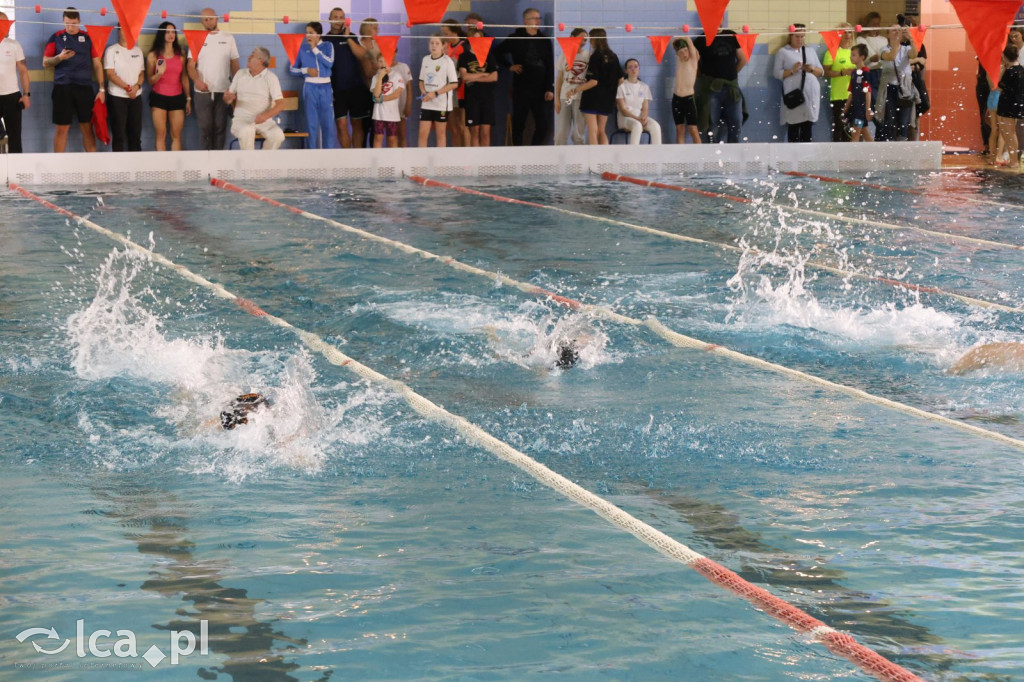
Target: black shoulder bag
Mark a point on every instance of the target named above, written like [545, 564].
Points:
[795, 98]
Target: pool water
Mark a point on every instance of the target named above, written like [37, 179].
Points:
[340, 535]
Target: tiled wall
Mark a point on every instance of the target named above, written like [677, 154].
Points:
[257, 25]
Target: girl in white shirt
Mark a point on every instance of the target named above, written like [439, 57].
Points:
[438, 78]
[386, 88]
[634, 100]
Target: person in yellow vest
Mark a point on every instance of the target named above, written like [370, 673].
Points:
[838, 71]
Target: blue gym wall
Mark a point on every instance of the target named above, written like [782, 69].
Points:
[762, 91]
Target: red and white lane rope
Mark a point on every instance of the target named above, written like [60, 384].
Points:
[919, 288]
[904, 190]
[834, 216]
[671, 336]
[837, 642]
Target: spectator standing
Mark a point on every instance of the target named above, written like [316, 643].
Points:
[314, 63]
[69, 54]
[799, 69]
[684, 107]
[479, 104]
[211, 73]
[437, 81]
[170, 100]
[838, 71]
[597, 98]
[404, 101]
[900, 93]
[126, 72]
[15, 94]
[530, 57]
[1011, 105]
[456, 46]
[717, 90]
[633, 99]
[386, 88]
[352, 103]
[256, 95]
[858, 110]
[569, 123]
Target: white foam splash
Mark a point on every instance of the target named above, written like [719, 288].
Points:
[119, 335]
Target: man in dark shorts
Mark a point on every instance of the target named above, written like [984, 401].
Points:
[533, 82]
[479, 102]
[717, 91]
[70, 54]
[352, 100]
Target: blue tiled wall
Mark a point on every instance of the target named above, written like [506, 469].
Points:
[762, 91]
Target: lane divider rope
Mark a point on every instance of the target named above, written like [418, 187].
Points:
[652, 323]
[918, 288]
[834, 216]
[905, 190]
[839, 643]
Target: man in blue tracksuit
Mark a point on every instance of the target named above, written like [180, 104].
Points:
[314, 62]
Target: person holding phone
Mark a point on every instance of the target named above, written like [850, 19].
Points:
[170, 100]
[70, 54]
[13, 71]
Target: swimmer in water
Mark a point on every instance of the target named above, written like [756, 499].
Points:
[566, 354]
[1006, 356]
[240, 408]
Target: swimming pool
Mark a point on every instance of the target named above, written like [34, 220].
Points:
[344, 534]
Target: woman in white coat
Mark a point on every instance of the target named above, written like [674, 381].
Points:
[798, 67]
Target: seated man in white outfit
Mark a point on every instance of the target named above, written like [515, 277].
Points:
[256, 95]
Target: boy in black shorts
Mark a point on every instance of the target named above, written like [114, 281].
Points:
[684, 109]
[479, 102]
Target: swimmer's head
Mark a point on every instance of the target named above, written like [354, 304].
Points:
[238, 412]
[566, 354]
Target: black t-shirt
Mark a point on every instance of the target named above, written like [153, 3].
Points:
[604, 68]
[718, 60]
[468, 61]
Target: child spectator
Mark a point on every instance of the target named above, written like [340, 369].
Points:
[684, 106]
[598, 92]
[633, 99]
[405, 101]
[857, 111]
[455, 47]
[568, 118]
[479, 80]
[437, 80]
[386, 87]
[1011, 105]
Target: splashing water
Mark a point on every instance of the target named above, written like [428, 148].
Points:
[118, 336]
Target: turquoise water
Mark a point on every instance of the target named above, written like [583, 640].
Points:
[342, 536]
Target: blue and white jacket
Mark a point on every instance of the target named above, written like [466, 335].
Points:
[321, 58]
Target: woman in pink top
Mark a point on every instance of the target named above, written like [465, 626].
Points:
[171, 99]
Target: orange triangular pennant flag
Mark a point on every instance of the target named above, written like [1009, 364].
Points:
[196, 39]
[5, 27]
[292, 42]
[570, 46]
[481, 47]
[659, 44]
[832, 39]
[987, 23]
[426, 11]
[917, 34]
[387, 45]
[99, 35]
[131, 14]
[746, 41]
[711, 13]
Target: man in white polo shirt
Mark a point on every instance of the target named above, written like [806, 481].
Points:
[12, 99]
[212, 73]
[256, 94]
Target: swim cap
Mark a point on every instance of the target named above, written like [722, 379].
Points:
[567, 354]
[240, 407]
